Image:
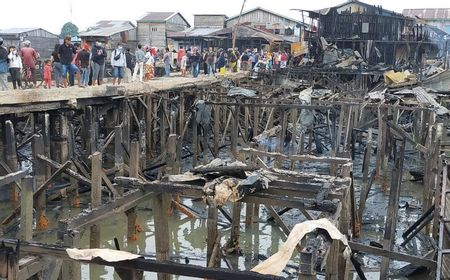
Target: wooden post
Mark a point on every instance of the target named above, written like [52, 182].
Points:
[194, 141]
[161, 231]
[40, 175]
[149, 124]
[118, 151]
[212, 232]
[216, 130]
[13, 265]
[172, 166]
[181, 114]
[26, 209]
[235, 226]
[11, 157]
[163, 124]
[96, 195]
[134, 159]
[46, 136]
[126, 124]
[71, 269]
[234, 130]
[367, 154]
[132, 221]
[392, 214]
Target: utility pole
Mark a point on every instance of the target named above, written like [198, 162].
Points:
[237, 24]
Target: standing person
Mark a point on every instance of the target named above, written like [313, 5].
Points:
[140, 60]
[149, 66]
[84, 57]
[98, 63]
[66, 52]
[75, 66]
[221, 62]
[48, 73]
[204, 61]
[3, 67]
[244, 61]
[211, 61]
[180, 55]
[15, 67]
[233, 61]
[29, 60]
[166, 60]
[57, 68]
[119, 63]
[283, 60]
[196, 58]
[183, 65]
[131, 62]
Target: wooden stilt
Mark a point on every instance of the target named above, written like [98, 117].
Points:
[26, 209]
[161, 231]
[40, 176]
[212, 232]
[11, 157]
[96, 195]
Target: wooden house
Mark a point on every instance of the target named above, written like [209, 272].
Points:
[152, 29]
[41, 40]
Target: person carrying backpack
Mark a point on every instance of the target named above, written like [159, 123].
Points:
[119, 63]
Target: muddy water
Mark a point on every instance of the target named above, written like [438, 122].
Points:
[188, 236]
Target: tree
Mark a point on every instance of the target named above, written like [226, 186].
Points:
[69, 29]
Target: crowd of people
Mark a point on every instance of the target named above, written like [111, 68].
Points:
[85, 64]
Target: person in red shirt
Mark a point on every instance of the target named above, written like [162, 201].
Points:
[29, 60]
[180, 55]
[48, 73]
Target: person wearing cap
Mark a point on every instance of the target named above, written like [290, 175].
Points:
[119, 63]
[66, 52]
[98, 63]
[3, 67]
[29, 60]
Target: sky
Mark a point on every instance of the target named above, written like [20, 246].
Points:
[51, 14]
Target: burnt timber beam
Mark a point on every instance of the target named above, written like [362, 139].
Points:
[355, 246]
[273, 196]
[127, 201]
[34, 248]
[13, 177]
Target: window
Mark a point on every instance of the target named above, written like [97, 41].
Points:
[154, 29]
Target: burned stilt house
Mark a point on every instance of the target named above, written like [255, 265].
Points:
[358, 40]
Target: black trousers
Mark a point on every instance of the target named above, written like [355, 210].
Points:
[15, 77]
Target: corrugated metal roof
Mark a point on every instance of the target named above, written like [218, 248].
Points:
[157, 16]
[193, 32]
[443, 13]
[264, 10]
[106, 28]
[245, 31]
[12, 31]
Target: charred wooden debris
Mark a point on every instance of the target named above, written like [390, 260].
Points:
[311, 138]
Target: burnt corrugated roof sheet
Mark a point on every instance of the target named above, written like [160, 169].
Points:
[442, 13]
[106, 28]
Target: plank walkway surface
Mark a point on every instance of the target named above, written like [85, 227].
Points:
[40, 99]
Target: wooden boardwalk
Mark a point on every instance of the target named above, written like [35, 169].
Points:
[36, 100]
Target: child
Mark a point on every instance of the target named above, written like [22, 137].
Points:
[48, 73]
[15, 67]
[183, 65]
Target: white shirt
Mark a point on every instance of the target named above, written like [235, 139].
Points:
[15, 61]
[150, 59]
[121, 62]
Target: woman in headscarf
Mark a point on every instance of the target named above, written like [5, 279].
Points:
[149, 70]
